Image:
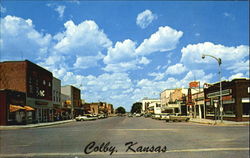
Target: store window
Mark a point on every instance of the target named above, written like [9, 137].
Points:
[210, 108]
[246, 108]
[229, 109]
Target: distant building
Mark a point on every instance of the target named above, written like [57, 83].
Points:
[35, 81]
[174, 100]
[155, 107]
[235, 99]
[145, 103]
[74, 99]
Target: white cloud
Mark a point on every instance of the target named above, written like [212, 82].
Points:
[165, 39]
[125, 56]
[83, 39]
[241, 66]
[2, 9]
[191, 55]
[144, 61]
[122, 52]
[158, 76]
[122, 57]
[17, 35]
[84, 62]
[60, 9]
[145, 18]
[238, 75]
[176, 69]
[122, 66]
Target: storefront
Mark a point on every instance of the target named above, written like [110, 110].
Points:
[13, 107]
[235, 100]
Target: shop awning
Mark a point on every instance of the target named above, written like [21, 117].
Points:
[14, 108]
[28, 108]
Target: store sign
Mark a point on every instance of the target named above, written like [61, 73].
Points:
[216, 94]
[194, 84]
[228, 97]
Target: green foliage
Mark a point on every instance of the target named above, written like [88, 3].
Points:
[120, 110]
[136, 108]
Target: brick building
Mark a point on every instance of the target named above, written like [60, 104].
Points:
[35, 81]
[12, 107]
[235, 99]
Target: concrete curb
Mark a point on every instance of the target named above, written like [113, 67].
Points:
[221, 124]
[34, 125]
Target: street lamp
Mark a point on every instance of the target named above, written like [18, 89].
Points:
[219, 62]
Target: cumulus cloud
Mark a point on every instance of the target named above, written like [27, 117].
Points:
[84, 39]
[158, 76]
[60, 9]
[144, 61]
[241, 66]
[19, 38]
[122, 66]
[191, 55]
[145, 18]
[176, 69]
[238, 75]
[85, 62]
[122, 57]
[165, 39]
[122, 51]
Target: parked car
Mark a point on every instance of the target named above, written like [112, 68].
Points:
[137, 115]
[164, 116]
[156, 116]
[101, 116]
[86, 118]
[147, 115]
[178, 118]
[130, 115]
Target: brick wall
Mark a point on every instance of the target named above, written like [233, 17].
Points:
[13, 75]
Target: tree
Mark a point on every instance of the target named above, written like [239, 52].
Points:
[120, 110]
[136, 108]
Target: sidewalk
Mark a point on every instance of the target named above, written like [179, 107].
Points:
[34, 125]
[218, 122]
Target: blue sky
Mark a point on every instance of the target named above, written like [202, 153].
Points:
[120, 52]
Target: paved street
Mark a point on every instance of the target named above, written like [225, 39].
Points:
[170, 140]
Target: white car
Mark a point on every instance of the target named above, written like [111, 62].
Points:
[85, 118]
[137, 115]
[164, 117]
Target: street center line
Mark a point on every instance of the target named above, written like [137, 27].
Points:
[144, 129]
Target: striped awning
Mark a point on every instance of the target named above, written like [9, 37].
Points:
[14, 108]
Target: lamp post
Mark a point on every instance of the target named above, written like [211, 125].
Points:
[219, 62]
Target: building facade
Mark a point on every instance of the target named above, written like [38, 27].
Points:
[155, 107]
[174, 100]
[235, 99]
[145, 104]
[35, 81]
[13, 107]
[74, 99]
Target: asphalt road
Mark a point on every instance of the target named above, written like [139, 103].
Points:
[125, 137]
